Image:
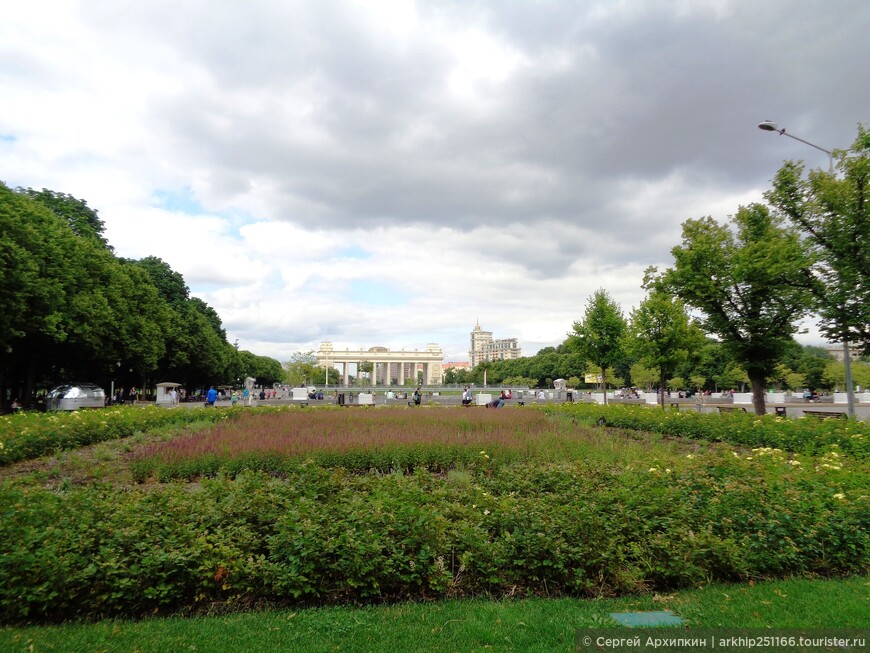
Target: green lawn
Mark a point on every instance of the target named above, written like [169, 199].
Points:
[534, 626]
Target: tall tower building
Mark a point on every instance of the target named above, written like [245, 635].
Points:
[484, 348]
[479, 341]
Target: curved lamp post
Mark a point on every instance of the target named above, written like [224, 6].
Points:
[769, 126]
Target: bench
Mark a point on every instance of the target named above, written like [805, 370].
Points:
[824, 414]
[731, 409]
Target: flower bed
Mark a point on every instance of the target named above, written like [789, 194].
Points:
[547, 506]
[382, 440]
[24, 436]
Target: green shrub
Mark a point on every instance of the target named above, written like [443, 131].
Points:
[28, 435]
[796, 435]
[330, 535]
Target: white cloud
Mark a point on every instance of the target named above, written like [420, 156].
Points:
[391, 172]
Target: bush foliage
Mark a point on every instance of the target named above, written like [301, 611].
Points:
[501, 521]
[808, 436]
[28, 435]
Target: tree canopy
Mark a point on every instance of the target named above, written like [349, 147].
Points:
[750, 282]
[662, 336]
[598, 337]
[833, 212]
[71, 310]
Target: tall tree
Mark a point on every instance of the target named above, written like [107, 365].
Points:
[661, 335]
[82, 219]
[598, 337]
[833, 212]
[751, 284]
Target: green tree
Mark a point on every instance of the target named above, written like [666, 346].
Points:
[833, 212]
[750, 283]
[732, 377]
[36, 279]
[266, 370]
[300, 368]
[661, 335]
[644, 377]
[598, 337]
[676, 383]
[82, 219]
[364, 372]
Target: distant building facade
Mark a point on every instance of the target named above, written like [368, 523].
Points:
[485, 348]
[836, 351]
[389, 367]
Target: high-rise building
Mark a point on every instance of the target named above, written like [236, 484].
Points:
[484, 348]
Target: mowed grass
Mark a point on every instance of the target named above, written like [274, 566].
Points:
[532, 625]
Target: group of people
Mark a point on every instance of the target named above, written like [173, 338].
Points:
[123, 397]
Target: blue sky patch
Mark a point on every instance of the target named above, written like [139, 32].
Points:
[178, 202]
[376, 293]
[354, 253]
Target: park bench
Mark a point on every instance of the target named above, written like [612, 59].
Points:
[731, 409]
[824, 414]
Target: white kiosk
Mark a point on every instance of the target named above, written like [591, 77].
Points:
[164, 394]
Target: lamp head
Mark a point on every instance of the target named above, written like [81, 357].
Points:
[769, 126]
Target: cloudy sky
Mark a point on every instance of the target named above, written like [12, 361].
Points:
[392, 172]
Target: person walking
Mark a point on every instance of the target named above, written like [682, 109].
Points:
[417, 396]
[211, 397]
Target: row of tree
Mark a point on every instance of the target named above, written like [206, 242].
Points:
[702, 366]
[748, 284]
[71, 310]
[729, 307]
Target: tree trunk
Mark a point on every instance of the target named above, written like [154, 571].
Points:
[757, 382]
[662, 392]
[604, 384]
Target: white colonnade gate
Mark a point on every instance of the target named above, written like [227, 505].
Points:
[389, 365]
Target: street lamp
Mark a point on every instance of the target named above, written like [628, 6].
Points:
[769, 126]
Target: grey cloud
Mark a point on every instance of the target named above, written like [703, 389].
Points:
[609, 95]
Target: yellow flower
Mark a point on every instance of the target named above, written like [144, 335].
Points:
[840, 496]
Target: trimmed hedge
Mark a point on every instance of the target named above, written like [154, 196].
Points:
[317, 535]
